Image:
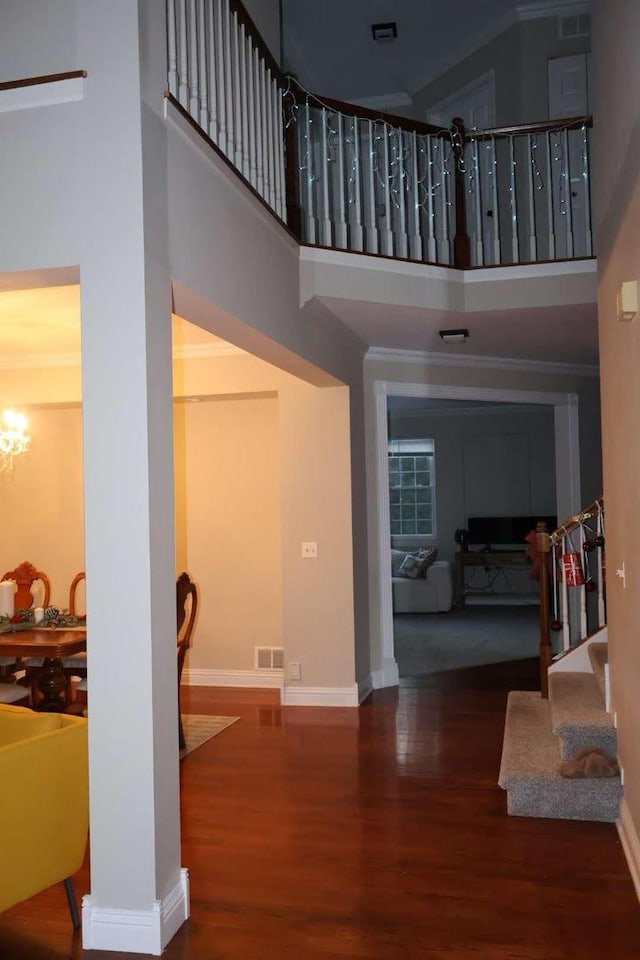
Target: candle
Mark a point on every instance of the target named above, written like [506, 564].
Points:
[38, 614]
[7, 590]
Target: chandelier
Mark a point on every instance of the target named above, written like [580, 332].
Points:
[13, 439]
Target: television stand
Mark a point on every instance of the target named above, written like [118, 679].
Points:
[489, 559]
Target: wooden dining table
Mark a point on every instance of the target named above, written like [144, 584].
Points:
[52, 644]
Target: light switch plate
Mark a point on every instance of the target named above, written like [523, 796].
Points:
[310, 550]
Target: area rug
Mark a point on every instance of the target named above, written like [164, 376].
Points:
[198, 728]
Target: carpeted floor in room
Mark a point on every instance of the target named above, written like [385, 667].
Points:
[469, 636]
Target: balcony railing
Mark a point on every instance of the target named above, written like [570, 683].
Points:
[349, 178]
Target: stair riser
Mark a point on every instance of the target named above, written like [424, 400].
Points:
[597, 800]
[573, 740]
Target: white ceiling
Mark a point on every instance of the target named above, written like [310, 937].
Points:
[329, 45]
[561, 334]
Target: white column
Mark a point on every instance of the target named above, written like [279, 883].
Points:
[139, 894]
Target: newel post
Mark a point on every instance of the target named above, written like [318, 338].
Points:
[544, 547]
[461, 242]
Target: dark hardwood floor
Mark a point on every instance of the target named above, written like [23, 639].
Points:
[379, 833]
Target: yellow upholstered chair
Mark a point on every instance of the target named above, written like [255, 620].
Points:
[44, 802]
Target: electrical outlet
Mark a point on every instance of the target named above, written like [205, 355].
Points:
[310, 550]
[294, 670]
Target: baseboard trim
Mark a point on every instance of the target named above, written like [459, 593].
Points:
[630, 843]
[365, 688]
[320, 696]
[388, 676]
[195, 677]
[136, 931]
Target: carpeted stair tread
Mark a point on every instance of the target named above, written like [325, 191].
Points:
[599, 656]
[578, 716]
[530, 765]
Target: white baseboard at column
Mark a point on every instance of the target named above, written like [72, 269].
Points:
[630, 844]
[136, 931]
[388, 676]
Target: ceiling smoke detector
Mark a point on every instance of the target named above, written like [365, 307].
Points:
[384, 32]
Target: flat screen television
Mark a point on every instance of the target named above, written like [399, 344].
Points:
[503, 531]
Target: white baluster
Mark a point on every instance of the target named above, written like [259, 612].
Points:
[340, 223]
[212, 74]
[264, 130]
[356, 231]
[386, 233]
[258, 115]
[172, 53]
[432, 246]
[602, 612]
[513, 202]
[533, 250]
[476, 197]
[202, 68]
[371, 232]
[183, 59]
[415, 242]
[497, 252]
[323, 171]
[550, 210]
[237, 99]
[245, 102]
[278, 140]
[566, 175]
[221, 75]
[402, 245]
[194, 99]
[587, 191]
[252, 113]
[228, 78]
[564, 598]
[444, 252]
[583, 590]
[271, 139]
[306, 171]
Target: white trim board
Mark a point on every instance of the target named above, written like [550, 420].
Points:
[136, 931]
[68, 90]
[630, 844]
[422, 357]
[567, 448]
[195, 677]
[320, 696]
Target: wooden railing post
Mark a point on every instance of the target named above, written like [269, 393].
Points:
[546, 653]
[461, 242]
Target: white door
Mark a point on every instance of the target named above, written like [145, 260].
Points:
[568, 79]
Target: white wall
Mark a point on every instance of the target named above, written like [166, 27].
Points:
[454, 434]
[617, 191]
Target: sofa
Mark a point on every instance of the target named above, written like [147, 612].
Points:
[44, 802]
[431, 591]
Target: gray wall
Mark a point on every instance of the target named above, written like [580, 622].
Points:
[518, 58]
[468, 485]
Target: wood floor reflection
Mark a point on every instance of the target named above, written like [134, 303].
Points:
[378, 833]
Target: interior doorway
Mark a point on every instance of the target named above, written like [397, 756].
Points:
[567, 484]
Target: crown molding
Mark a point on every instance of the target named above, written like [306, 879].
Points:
[539, 9]
[422, 357]
[39, 360]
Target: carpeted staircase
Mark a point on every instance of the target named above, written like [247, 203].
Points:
[540, 734]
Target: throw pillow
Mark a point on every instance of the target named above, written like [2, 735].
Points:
[427, 555]
[397, 556]
[411, 567]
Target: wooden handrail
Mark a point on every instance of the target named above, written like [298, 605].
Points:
[572, 523]
[48, 78]
[541, 126]
[353, 110]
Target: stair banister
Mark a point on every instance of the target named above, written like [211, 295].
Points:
[546, 654]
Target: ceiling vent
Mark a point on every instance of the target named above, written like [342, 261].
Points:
[577, 25]
[269, 658]
[384, 32]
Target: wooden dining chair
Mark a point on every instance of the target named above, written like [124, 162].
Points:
[24, 575]
[75, 666]
[187, 608]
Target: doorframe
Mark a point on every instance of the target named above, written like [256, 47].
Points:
[568, 496]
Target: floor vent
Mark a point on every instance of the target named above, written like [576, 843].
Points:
[269, 658]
